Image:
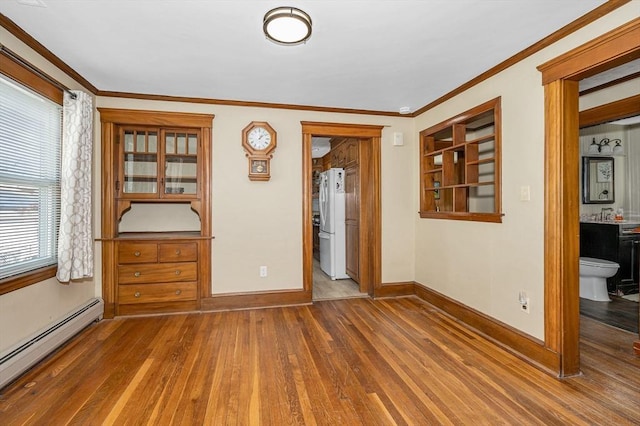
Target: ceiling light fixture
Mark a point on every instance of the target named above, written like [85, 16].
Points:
[287, 25]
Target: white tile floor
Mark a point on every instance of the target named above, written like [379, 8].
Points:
[326, 289]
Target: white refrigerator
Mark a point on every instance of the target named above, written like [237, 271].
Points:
[332, 228]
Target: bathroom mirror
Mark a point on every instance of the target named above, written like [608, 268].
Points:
[598, 180]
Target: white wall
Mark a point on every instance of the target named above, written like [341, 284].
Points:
[485, 265]
[25, 311]
[260, 223]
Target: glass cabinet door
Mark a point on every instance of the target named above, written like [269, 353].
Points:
[180, 162]
[140, 162]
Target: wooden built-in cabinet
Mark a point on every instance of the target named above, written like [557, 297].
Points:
[352, 222]
[315, 178]
[155, 157]
[345, 154]
[460, 166]
[152, 273]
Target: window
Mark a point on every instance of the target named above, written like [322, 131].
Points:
[460, 166]
[30, 142]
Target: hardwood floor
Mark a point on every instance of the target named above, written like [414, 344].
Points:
[347, 362]
[620, 313]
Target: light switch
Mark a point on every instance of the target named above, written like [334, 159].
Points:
[398, 139]
[525, 193]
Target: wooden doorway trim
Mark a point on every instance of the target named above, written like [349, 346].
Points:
[560, 77]
[370, 199]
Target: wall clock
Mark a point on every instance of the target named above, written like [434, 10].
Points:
[259, 142]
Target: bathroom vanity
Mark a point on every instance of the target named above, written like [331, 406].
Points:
[616, 242]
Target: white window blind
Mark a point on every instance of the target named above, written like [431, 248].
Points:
[30, 142]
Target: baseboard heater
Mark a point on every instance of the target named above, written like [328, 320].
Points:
[17, 359]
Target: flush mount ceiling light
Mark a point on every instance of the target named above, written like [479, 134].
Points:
[287, 25]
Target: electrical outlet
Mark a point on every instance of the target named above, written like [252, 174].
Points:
[524, 302]
[263, 271]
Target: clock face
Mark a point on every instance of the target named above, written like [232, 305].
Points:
[259, 138]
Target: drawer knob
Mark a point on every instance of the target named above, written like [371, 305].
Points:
[137, 294]
[178, 252]
[136, 274]
[178, 292]
[136, 254]
[177, 271]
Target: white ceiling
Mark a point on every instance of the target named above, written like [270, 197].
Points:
[376, 55]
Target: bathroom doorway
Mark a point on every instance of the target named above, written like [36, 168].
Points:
[560, 78]
[607, 227]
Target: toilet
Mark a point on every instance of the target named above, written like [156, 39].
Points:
[593, 278]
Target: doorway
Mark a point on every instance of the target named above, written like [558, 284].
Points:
[600, 240]
[368, 233]
[560, 78]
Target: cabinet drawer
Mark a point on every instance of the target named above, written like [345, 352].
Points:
[156, 273]
[137, 252]
[149, 293]
[178, 252]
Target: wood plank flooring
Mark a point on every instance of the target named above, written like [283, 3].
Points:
[620, 313]
[349, 362]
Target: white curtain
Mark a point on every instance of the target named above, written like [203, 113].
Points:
[75, 238]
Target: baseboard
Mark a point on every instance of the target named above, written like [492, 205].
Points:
[516, 342]
[233, 301]
[17, 359]
[636, 347]
[405, 288]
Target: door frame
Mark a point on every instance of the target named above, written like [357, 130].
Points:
[560, 77]
[370, 232]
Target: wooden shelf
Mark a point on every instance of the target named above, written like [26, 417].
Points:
[460, 142]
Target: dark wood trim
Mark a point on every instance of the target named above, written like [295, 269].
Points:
[617, 110]
[562, 242]
[395, 289]
[224, 302]
[476, 217]
[23, 75]
[307, 213]
[228, 102]
[342, 129]
[579, 23]
[158, 307]
[370, 231]
[518, 343]
[611, 83]
[560, 75]
[636, 347]
[609, 50]
[155, 118]
[23, 36]
[17, 282]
